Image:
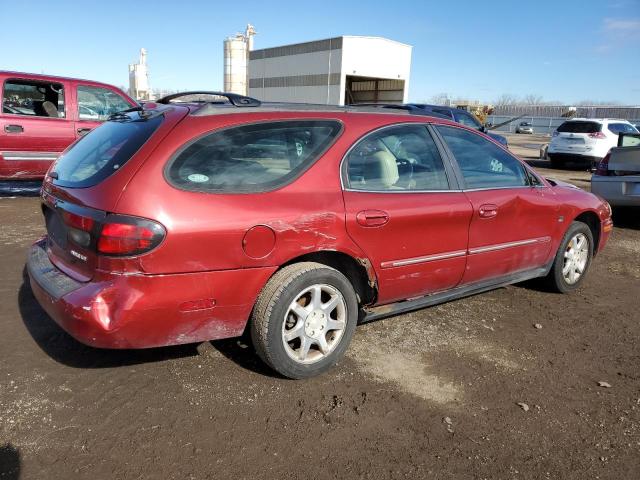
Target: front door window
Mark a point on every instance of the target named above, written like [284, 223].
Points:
[96, 104]
[483, 164]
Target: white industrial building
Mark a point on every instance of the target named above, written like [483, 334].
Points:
[139, 78]
[338, 71]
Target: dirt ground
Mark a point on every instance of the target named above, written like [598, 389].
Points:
[438, 393]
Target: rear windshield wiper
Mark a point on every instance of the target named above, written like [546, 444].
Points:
[119, 116]
[122, 115]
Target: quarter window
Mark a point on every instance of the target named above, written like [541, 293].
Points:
[251, 158]
[396, 159]
[95, 103]
[483, 164]
[32, 98]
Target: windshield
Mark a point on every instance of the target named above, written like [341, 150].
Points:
[104, 150]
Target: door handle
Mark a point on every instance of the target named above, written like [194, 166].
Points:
[83, 131]
[372, 218]
[488, 210]
[13, 129]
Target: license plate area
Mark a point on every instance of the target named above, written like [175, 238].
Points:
[45, 274]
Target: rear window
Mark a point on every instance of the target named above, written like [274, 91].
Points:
[104, 150]
[580, 127]
[441, 111]
[466, 119]
[251, 158]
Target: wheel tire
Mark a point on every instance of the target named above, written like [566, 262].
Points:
[556, 278]
[268, 322]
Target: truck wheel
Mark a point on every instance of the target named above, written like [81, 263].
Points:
[304, 319]
[572, 259]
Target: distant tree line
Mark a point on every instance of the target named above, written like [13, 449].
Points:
[529, 99]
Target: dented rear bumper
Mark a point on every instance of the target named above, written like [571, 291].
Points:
[142, 311]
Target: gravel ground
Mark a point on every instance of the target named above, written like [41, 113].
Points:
[516, 383]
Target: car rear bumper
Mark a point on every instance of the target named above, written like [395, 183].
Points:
[142, 311]
[573, 157]
[619, 191]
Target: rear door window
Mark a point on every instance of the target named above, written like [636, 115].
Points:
[484, 165]
[104, 150]
[96, 103]
[251, 158]
[33, 98]
[618, 128]
[580, 127]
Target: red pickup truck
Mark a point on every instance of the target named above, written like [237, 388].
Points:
[42, 115]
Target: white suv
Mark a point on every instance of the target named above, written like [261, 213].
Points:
[586, 140]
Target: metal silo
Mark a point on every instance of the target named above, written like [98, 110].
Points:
[236, 61]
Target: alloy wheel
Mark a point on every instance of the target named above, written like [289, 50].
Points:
[576, 256]
[314, 323]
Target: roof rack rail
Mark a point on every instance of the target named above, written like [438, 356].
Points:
[234, 98]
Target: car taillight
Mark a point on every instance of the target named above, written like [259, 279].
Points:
[602, 167]
[597, 135]
[80, 228]
[123, 236]
[78, 221]
[555, 133]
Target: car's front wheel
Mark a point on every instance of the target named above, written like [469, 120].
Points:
[304, 319]
[572, 259]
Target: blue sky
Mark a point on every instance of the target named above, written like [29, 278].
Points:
[567, 50]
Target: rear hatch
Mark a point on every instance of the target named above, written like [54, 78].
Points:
[625, 161]
[83, 186]
[577, 135]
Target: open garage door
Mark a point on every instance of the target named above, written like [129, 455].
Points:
[373, 90]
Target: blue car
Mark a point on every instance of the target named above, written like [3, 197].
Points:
[458, 115]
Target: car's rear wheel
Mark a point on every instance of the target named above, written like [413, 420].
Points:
[572, 259]
[304, 319]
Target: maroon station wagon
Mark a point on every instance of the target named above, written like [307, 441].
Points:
[42, 115]
[184, 222]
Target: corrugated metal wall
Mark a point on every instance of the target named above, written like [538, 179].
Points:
[557, 111]
[297, 49]
[541, 125]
